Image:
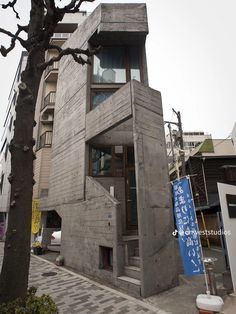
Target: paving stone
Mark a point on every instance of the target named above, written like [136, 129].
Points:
[74, 294]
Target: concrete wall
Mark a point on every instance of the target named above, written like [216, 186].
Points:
[88, 225]
[155, 218]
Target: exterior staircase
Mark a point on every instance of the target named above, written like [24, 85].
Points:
[131, 277]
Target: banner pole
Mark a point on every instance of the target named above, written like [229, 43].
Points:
[204, 269]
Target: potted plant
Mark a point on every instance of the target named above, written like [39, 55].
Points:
[37, 248]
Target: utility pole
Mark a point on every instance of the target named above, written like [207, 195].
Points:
[181, 141]
[171, 142]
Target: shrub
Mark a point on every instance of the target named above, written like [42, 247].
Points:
[32, 304]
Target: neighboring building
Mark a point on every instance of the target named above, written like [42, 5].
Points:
[101, 169]
[213, 161]
[191, 140]
[44, 116]
[5, 157]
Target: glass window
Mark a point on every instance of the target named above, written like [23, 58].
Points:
[134, 63]
[109, 66]
[101, 161]
[99, 96]
[119, 164]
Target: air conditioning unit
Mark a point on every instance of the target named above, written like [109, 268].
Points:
[47, 117]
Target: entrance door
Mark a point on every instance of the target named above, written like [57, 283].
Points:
[131, 199]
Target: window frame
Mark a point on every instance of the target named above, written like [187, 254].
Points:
[113, 168]
[115, 86]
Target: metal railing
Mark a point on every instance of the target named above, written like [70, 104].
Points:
[61, 35]
[52, 67]
[45, 140]
[49, 100]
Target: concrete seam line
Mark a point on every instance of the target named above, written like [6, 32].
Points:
[137, 301]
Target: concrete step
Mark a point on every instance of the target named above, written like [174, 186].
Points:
[134, 261]
[136, 251]
[130, 284]
[133, 272]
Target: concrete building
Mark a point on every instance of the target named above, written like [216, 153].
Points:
[5, 157]
[101, 169]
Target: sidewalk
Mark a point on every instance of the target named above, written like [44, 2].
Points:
[75, 294]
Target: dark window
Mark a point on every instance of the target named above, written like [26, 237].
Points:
[230, 173]
[107, 161]
[101, 161]
[130, 155]
[106, 258]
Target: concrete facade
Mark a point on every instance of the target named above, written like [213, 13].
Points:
[94, 222]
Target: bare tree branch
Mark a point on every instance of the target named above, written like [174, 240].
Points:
[73, 52]
[4, 51]
[11, 4]
[73, 6]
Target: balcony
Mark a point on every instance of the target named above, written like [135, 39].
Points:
[48, 103]
[45, 140]
[51, 72]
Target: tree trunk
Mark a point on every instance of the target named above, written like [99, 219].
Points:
[15, 267]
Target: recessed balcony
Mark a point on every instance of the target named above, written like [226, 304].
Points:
[45, 140]
[51, 72]
[48, 103]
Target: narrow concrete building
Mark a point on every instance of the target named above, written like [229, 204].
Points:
[108, 173]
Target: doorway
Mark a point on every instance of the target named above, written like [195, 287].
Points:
[131, 196]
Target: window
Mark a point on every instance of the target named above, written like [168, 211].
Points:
[101, 161]
[106, 258]
[113, 66]
[107, 161]
[98, 96]
[109, 66]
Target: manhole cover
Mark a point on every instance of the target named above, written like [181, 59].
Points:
[50, 273]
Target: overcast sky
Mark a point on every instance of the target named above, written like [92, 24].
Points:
[191, 49]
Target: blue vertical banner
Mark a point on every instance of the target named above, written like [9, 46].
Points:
[186, 222]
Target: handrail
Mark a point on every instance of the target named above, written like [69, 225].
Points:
[45, 140]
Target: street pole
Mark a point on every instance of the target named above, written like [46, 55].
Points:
[171, 143]
[181, 142]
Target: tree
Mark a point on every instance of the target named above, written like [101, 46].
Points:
[44, 17]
